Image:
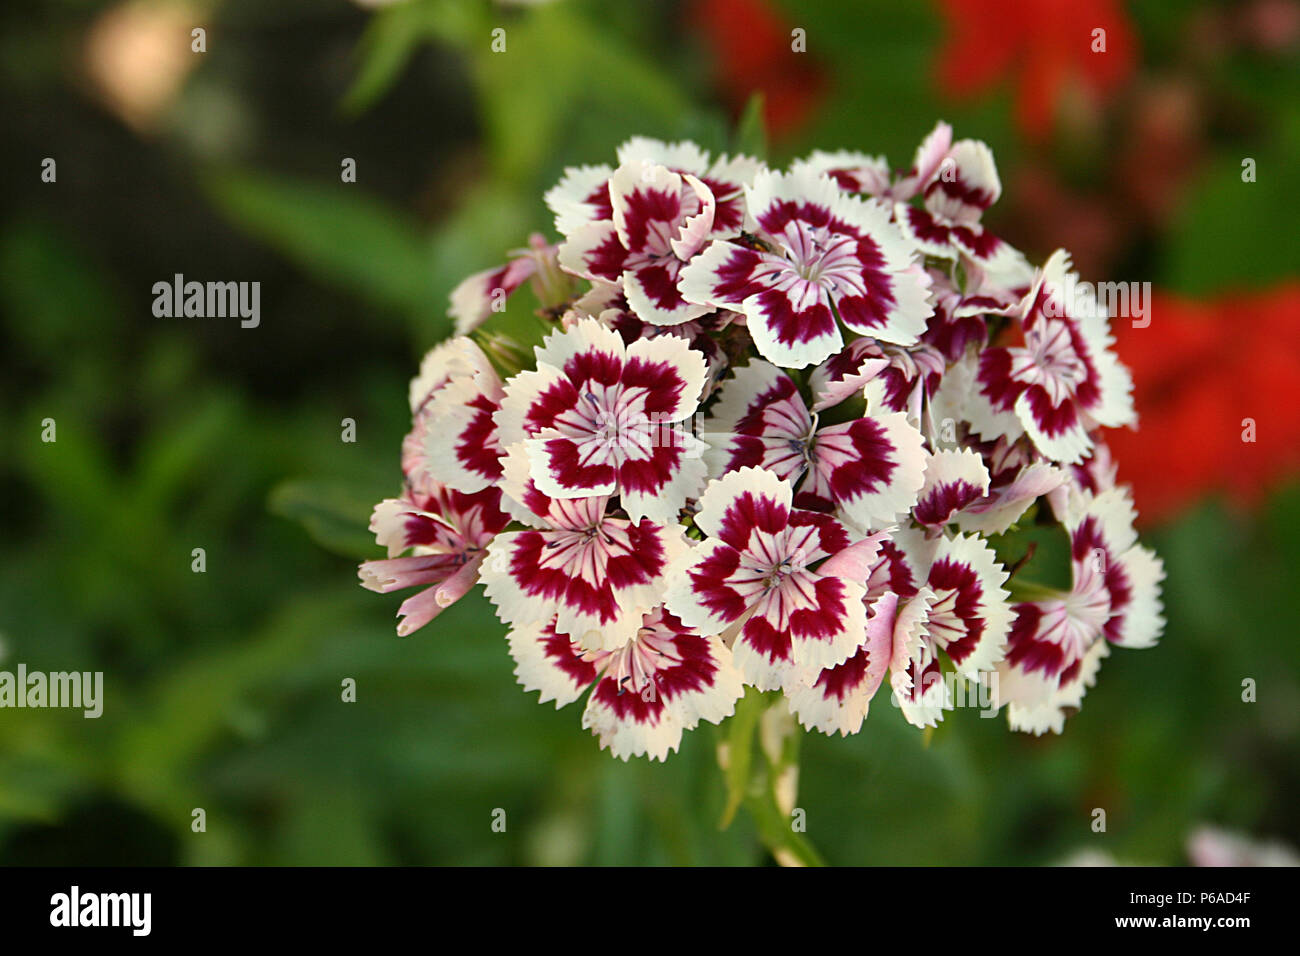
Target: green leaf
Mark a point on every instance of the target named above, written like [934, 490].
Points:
[49, 285]
[338, 234]
[390, 40]
[181, 450]
[336, 515]
[751, 131]
[584, 68]
[396, 32]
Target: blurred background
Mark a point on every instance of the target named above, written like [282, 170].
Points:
[222, 688]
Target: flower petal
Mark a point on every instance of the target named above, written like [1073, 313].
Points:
[596, 582]
[838, 700]
[593, 251]
[761, 421]
[662, 683]
[969, 617]
[954, 480]
[870, 469]
[580, 197]
[551, 663]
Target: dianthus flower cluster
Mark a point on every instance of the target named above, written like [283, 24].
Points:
[786, 430]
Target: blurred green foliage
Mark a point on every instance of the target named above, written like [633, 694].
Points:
[223, 688]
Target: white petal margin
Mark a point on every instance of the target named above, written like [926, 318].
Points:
[925, 161]
[1069, 447]
[663, 505]
[586, 335]
[450, 416]
[870, 172]
[799, 354]
[1143, 621]
[696, 229]
[839, 699]
[455, 358]
[519, 394]
[913, 650]
[876, 509]
[636, 177]
[655, 735]
[533, 647]
[972, 162]
[722, 493]
[992, 606]
[813, 655]
[783, 420]
[567, 198]
[698, 280]
[516, 481]
[575, 252]
[1050, 714]
[950, 477]
[689, 363]
[683, 156]
[681, 598]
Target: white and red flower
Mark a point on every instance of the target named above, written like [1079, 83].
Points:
[825, 258]
[601, 418]
[961, 317]
[583, 195]
[458, 367]
[947, 223]
[755, 580]
[592, 571]
[659, 220]
[447, 533]
[838, 699]
[853, 172]
[954, 480]
[455, 439]
[958, 609]
[663, 681]
[475, 299]
[1056, 644]
[916, 675]
[1063, 381]
[887, 376]
[453, 359]
[607, 304]
[868, 469]
[1017, 478]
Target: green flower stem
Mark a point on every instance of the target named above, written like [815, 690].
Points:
[766, 784]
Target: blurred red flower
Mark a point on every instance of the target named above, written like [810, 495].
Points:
[1203, 372]
[1045, 47]
[752, 45]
